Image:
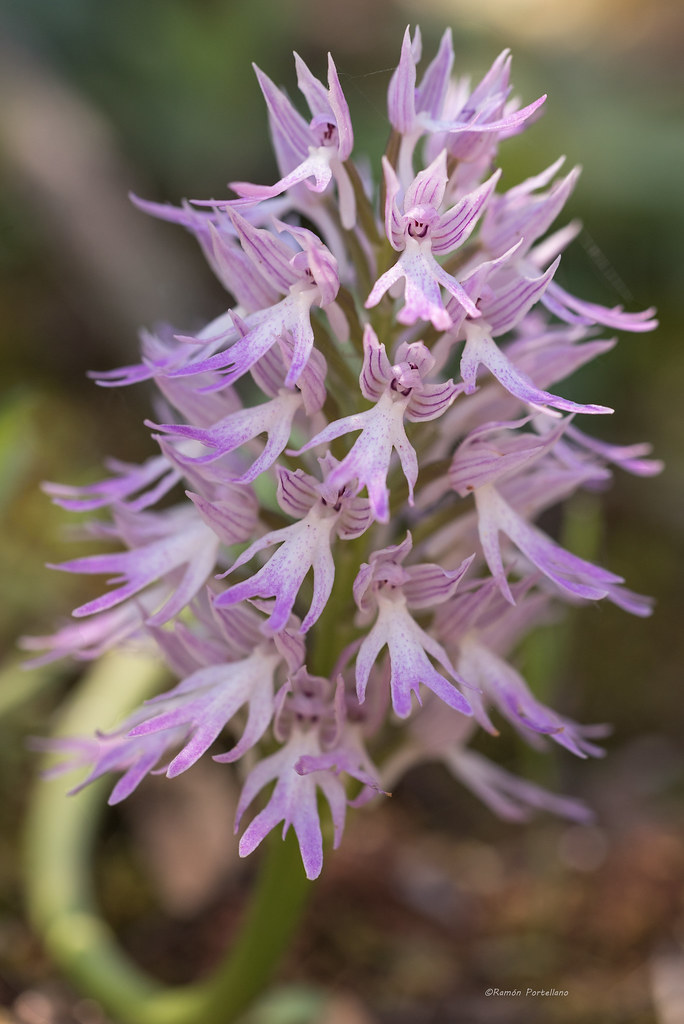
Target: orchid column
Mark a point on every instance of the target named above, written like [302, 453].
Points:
[353, 457]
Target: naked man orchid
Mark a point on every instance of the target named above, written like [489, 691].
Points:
[351, 462]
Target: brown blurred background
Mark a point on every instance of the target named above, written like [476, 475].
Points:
[430, 901]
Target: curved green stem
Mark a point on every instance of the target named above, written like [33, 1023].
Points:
[59, 845]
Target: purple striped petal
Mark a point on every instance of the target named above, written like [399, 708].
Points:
[507, 305]
[489, 455]
[291, 135]
[394, 222]
[297, 491]
[430, 94]
[340, 109]
[428, 186]
[270, 256]
[313, 91]
[401, 109]
[376, 374]
[233, 519]
[431, 401]
[430, 584]
[455, 226]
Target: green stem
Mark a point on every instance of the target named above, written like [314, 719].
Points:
[265, 935]
[59, 851]
[364, 209]
[348, 377]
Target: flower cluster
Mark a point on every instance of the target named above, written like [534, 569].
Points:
[415, 314]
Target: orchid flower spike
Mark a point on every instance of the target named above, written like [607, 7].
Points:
[334, 542]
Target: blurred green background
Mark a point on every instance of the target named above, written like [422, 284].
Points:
[101, 98]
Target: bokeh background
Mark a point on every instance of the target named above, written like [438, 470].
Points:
[430, 901]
